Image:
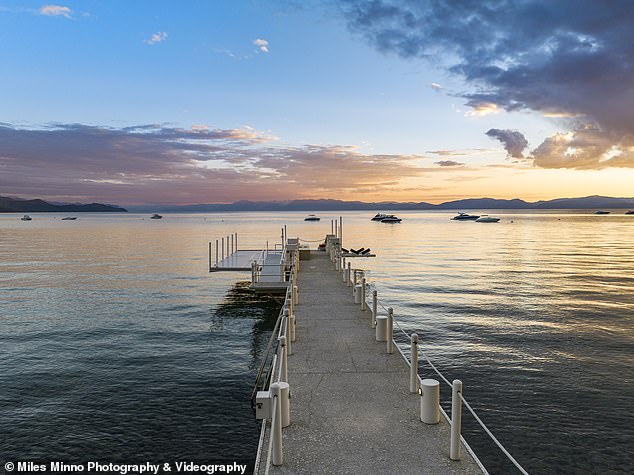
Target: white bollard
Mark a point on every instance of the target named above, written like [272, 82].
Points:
[284, 358]
[285, 390]
[375, 303]
[413, 371]
[456, 419]
[363, 287]
[356, 290]
[293, 324]
[276, 424]
[430, 401]
[390, 330]
[381, 328]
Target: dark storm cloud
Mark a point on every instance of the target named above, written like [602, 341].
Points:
[160, 164]
[561, 58]
[514, 142]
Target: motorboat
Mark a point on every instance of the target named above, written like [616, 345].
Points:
[487, 219]
[391, 219]
[465, 217]
[379, 217]
[156, 216]
[601, 212]
[26, 217]
[629, 212]
[312, 217]
[69, 218]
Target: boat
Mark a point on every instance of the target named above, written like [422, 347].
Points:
[486, 219]
[465, 217]
[391, 219]
[69, 218]
[26, 217]
[601, 212]
[629, 212]
[156, 216]
[379, 217]
[312, 217]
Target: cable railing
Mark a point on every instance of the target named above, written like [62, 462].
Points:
[352, 278]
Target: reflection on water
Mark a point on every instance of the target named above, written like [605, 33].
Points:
[120, 345]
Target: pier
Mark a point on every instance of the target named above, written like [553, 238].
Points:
[335, 391]
[351, 408]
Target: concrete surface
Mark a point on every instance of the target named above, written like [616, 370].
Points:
[351, 410]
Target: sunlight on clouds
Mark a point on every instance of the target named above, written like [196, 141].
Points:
[55, 10]
[263, 45]
[481, 109]
[158, 37]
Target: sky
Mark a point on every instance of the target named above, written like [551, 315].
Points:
[185, 102]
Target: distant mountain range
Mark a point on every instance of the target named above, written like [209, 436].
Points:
[16, 205]
[588, 202]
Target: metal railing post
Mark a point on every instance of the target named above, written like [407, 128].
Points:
[284, 363]
[390, 330]
[413, 370]
[456, 419]
[276, 424]
[375, 303]
[363, 305]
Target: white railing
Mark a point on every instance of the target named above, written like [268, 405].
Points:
[351, 277]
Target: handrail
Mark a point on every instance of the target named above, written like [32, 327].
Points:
[466, 403]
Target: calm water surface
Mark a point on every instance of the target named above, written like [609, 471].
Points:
[118, 345]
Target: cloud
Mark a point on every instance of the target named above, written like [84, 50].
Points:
[514, 141]
[449, 163]
[55, 10]
[263, 45]
[479, 109]
[158, 37]
[159, 164]
[435, 86]
[570, 59]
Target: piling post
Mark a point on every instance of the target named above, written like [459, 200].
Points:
[349, 277]
[413, 370]
[209, 255]
[456, 419]
[341, 230]
[232, 237]
[336, 231]
[375, 303]
[236, 241]
[253, 272]
[390, 330]
[276, 423]
[216, 253]
[363, 287]
[284, 358]
[223, 248]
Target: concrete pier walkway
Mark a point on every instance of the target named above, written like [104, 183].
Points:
[351, 409]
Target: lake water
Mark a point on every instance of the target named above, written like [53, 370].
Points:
[118, 345]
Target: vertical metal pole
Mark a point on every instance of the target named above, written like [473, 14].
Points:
[216, 253]
[363, 305]
[287, 322]
[336, 231]
[390, 330]
[209, 255]
[456, 419]
[232, 244]
[276, 424]
[375, 303]
[223, 248]
[413, 370]
[332, 226]
[284, 358]
[341, 230]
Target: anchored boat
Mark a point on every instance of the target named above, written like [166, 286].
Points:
[487, 219]
[156, 216]
[379, 217]
[26, 217]
[312, 217]
[465, 217]
[391, 219]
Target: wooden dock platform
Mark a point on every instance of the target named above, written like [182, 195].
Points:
[351, 409]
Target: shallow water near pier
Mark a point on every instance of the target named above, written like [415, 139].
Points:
[118, 345]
